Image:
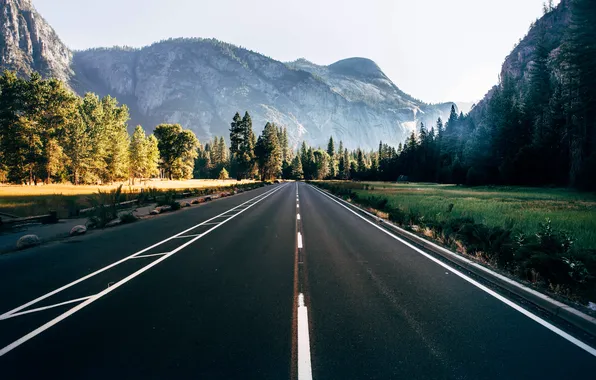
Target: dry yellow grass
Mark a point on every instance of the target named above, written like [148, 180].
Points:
[68, 189]
[35, 200]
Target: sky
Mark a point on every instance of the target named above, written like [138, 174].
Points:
[435, 50]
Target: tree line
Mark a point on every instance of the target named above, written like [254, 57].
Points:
[539, 130]
[48, 134]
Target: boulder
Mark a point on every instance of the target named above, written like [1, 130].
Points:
[78, 230]
[114, 222]
[185, 204]
[28, 241]
[154, 212]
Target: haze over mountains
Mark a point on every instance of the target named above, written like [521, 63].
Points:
[201, 83]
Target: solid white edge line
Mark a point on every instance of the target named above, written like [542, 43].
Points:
[58, 290]
[45, 307]
[299, 240]
[94, 298]
[513, 305]
[304, 364]
[472, 263]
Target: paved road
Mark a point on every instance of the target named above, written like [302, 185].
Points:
[244, 288]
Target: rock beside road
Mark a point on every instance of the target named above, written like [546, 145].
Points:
[28, 241]
[114, 222]
[78, 230]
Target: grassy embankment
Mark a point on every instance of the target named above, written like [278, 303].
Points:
[67, 199]
[542, 235]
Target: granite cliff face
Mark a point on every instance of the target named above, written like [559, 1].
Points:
[28, 43]
[549, 30]
[201, 83]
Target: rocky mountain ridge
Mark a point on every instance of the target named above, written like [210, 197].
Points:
[201, 83]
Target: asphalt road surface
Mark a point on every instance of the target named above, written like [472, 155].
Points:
[282, 282]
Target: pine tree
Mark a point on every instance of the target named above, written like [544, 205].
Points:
[178, 150]
[332, 160]
[580, 55]
[242, 146]
[285, 146]
[297, 171]
[78, 149]
[361, 168]
[152, 162]
[138, 152]
[346, 174]
[236, 135]
[223, 151]
[115, 120]
[91, 112]
[310, 165]
[268, 153]
[13, 136]
[59, 109]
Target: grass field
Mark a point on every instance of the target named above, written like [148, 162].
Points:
[37, 200]
[520, 207]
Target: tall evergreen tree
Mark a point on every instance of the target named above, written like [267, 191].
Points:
[178, 149]
[346, 173]
[139, 155]
[268, 153]
[297, 171]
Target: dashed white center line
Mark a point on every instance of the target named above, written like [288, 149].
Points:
[299, 240]
[298, 216]
[304, 365]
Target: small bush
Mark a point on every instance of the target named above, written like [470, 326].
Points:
[397, 216]
[223, 174]
[104, 207]
[167, 198]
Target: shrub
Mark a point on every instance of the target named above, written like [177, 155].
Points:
[397, 216]
[223, 174]
[167, 199]
[104, 207]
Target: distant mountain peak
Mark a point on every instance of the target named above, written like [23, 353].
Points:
[357, 66]
[28, 43]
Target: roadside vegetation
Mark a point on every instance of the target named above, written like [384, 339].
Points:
[544, 236]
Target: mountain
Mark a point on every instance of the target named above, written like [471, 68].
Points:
[201, 83]
[548, 30]
[28, 43]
